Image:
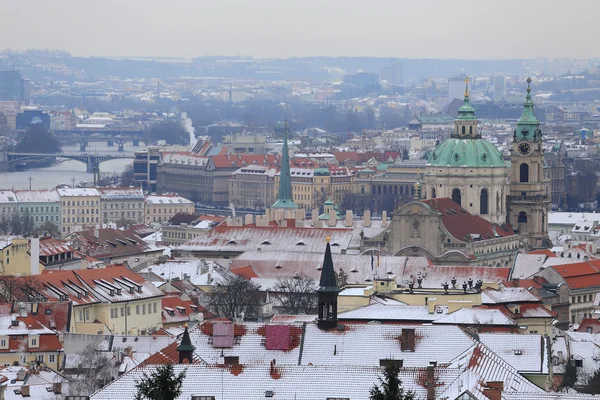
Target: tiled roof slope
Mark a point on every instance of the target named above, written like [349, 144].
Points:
[53, 315]
[286, 382]
[244, 238]
[102, 243]
[461, 224]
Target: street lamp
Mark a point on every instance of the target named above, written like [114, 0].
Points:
[30, 179]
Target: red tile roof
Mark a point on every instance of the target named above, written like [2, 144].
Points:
[109, 243]
[583, 281]
[461, 224]
[591, 323]
[53, 315]
[168, 355]
[578, 269]
[246, 272]
[177, 310]
[50, 246]
[545, 252]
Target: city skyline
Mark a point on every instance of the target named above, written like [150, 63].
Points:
[294, 28]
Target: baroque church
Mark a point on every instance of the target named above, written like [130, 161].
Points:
[475, 207]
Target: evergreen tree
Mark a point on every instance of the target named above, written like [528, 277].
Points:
[391, 386]
[570, 376]
[161, 384]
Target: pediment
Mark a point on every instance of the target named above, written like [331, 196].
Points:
[415, 208]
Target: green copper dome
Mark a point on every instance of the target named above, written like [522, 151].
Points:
[528, 126]
[466, 153]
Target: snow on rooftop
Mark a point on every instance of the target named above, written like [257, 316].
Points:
[121, 194]
[507, 295]
[167, 200]
[78, 192]
[6, 196]
[37, 196]
[471, 316]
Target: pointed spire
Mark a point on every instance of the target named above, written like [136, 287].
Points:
[186, 348]
[284, 195]
[528, 126]
[328, 281]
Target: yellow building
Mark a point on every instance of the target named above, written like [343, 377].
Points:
[80, 209]
[109, 300]
[311, 187]
[15, 257]
[163, 208]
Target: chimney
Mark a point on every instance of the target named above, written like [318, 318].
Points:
[367, 218]
[25, 391]
[314, 216]
[332, 221]
[22, 310]
[248, 219]
[299, 215]
[493, 391]
[407, 340]
[34, 251]
[431, 304]
[349, 218]
[384, 219]
[430, 382]
[21, 374]
[57, 387]
[96, 233]
[128, 351]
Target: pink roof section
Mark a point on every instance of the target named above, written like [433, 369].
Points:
[223, 335]
[278, 337]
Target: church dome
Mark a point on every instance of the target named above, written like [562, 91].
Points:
[281, 127]
[466, 153]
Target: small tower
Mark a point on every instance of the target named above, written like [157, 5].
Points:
[328, 292]
[465, 125]
[284, 196]
[186, 348]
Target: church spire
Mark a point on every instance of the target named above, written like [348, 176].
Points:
[466, 111]
[528, 126]
[327, 291]
[465, 124]
[284, 195]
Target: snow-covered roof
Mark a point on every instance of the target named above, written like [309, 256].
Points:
[527, 353]
[384, 312]
[78, 192]
[473, 316]
[40, 383]
[507, 295]
[37, 196]
[569, 218]
[121, 194]
[7, 196]
[167, 200]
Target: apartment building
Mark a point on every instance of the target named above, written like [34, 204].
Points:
[41, 206]
[111, 299]
[187, 174]
[122, 205]
[8, 205]
[252, 187]
[80, 209]
[163, 208]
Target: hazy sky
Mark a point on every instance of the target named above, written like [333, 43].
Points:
[286, 28]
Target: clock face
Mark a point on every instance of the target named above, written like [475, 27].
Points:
[524, 148]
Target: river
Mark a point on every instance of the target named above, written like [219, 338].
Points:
[67, 170]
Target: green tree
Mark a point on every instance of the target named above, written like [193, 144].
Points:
[570, 376]
[161, 384]
[391, 386]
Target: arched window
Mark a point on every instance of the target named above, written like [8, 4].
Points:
[522, 217]
[456, 196]
[524, 173]
[483, 202]
[470, 130]
[463, 130]
[433, 196]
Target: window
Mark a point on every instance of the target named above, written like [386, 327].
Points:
[154, 306]
[524, 173]
[51, 358]
[40, 358]
[34, 342]
[456, 197]
[483, 202]
[143, 309]
[128, 310]
[87, 315]
[122, 311]
[522, 217]
[80, 315]
[137, 309]
[3, 342]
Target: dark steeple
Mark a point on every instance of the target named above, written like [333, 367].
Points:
[284, 195]
[327, 291]
[186, 348]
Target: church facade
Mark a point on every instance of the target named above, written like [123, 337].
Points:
[474, 208]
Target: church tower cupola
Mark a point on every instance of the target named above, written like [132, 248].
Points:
[327, 292]
[186, 348]
[528, 126]
[465, 124]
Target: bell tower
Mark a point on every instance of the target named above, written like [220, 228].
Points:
[465, 124]
[529, 199]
